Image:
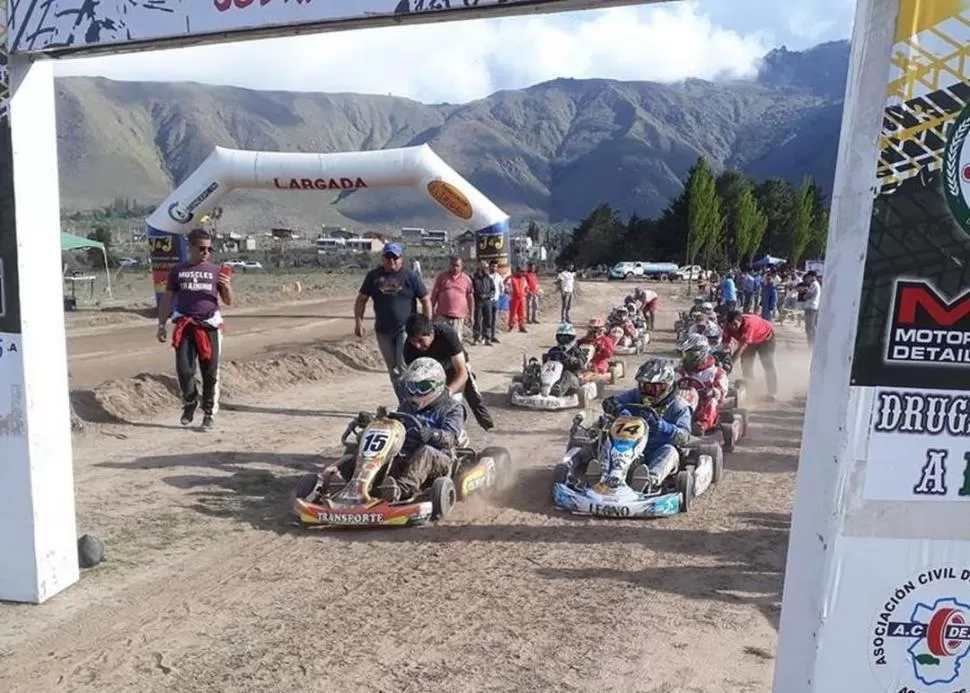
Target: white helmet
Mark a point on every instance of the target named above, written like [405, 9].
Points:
[425, 381]
[694, 349]
[692, 341]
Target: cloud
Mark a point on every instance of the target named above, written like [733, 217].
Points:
[458, 62]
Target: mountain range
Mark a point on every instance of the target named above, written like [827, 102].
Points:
[550, 152]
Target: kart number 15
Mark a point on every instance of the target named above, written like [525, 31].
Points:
[374, 442]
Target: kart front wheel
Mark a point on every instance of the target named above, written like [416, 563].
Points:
[503, 466]
[443, 497]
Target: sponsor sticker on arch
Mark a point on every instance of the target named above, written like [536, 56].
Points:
[919, 641]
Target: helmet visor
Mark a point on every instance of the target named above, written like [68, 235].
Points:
[653, 391]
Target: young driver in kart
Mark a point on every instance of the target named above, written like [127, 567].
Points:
[605, 348]
[443, 418]
[697, 363]
[668, 419]
[567, 353]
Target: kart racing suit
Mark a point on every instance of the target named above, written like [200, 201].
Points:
[714, 388]
[669, 429]
[572, 366]
[605, 348]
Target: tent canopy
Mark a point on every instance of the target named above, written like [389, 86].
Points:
[71, 242]
[768, 260]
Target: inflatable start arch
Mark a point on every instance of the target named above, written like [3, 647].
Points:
[228, 169]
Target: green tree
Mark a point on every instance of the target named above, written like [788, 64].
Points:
[820, 215]
[730, 185]
[598, 239]
[776, 198]
[750, 223]
[804, 223]
[703, 212]
[101, 234]
[533, 232]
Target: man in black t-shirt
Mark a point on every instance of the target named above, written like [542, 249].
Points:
[395, 290]
[441, 343]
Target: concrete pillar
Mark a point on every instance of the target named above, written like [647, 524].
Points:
[38, 537]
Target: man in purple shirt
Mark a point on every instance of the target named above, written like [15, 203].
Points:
[192, 301]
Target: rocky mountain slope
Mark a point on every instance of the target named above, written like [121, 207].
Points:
[550, 152]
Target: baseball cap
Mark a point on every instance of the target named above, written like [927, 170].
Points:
[392, 249]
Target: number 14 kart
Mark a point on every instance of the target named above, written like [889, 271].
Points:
[375, 443]
[618, 486]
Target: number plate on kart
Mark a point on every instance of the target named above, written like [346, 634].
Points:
[350, 518]
[628, 428]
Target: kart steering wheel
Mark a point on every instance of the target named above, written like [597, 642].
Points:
[406, 417]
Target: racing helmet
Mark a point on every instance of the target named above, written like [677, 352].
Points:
[694, 349]
[655, 382]
[565, 334]
[708, 307]
[699, 301]
[424, 381]
[701, 318]
[596, 326]
[713, 333]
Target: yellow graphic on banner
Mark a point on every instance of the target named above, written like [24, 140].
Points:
[927, 87]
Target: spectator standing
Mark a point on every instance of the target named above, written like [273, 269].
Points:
[813, 296]
[416, 266]
[769, 296]
[486, 299]
[501, 297]
[567, 284]
[192, 301]
[532, 295]
[395, 291]
[517, 288]
[729, 292]
[453, 296]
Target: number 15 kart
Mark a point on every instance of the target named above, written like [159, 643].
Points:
[618, 485]
[374, 442]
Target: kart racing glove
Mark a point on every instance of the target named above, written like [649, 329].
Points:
[436, 438]
[611, 406]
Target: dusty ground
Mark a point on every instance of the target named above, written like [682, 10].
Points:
[207, 587]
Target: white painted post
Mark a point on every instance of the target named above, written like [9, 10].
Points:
[38, 536]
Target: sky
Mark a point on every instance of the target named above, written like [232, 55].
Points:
[457, 62]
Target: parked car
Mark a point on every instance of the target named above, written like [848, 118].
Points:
[644, 270]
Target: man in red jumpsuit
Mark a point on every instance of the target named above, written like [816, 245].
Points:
[518, 287]
[605, 348]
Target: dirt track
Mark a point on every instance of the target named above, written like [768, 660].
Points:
[208, 589]
[105, 353]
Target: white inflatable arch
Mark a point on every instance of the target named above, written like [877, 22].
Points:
[228, 169]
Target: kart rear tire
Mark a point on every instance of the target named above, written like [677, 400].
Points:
[443, 497]
[503, 466]
[306, 485]
[727, 433]
[685, 486]
[742, 414]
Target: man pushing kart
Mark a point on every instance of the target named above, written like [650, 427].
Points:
[667, 417]
[755, 337]
[441, 342]
[568, 354]
[699, 364]
[443, 421]
[604, 347]
[649, 304]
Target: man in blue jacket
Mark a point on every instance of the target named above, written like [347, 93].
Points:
[668, 420]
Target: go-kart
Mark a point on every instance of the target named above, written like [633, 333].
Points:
[375, 441]
[532, 389]
[731, 422]
[618, 443]
[626, 345]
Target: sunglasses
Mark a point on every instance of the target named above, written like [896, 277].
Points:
[204, 248]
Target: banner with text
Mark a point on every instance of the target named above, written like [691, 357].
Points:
[53, 25]
[914, 318]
